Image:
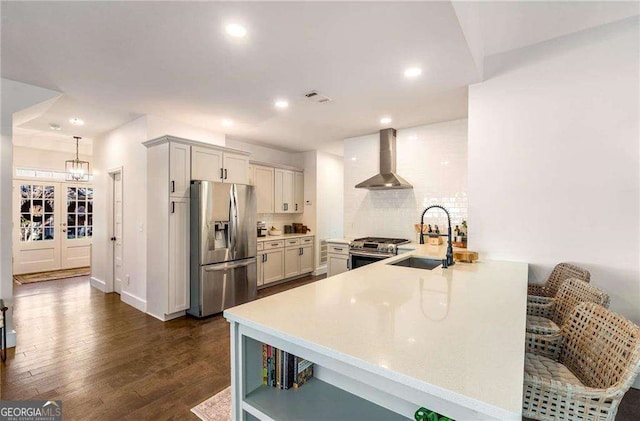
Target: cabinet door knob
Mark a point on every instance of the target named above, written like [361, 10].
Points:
[221, 173]
[225, 173]
[173, 207]
[173, 186]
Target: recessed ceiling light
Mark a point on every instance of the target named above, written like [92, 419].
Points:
[55, 127]
[236, 30]
[281, 103]
[413, 72]
[385, 120]
[226, 122]
[76, 121]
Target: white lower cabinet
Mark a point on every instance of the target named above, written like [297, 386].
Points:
[337, 258]
[260, 269]
[273, 266]
[306, 258]
[283, 259]
[291, 262]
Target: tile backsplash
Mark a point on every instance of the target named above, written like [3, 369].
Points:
[279, 220]
[432, 158]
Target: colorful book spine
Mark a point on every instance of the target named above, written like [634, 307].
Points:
[264, 364]
[291, 367]
[304, 371]
[283, 370]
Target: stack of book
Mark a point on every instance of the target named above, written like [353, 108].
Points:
[283, 370]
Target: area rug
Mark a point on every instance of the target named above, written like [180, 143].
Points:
[52, 275]
[216, 408]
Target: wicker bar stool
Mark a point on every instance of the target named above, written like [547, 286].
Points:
[542, 293]
[546, 318]
[583, 372]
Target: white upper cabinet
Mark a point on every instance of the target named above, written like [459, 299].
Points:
[206, 164]
[263, 180]
[179, 169]
[215, 165]
[298, 192]
[236, 168]
[289, 191]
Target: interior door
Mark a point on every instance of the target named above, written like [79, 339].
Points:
[77, 226]
[117, 232]
[36, 226]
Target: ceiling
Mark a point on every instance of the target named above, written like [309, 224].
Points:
[506, 26]
[114, 61]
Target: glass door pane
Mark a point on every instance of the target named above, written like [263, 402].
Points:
[37, 207]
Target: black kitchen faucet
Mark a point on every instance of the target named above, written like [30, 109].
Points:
[449, 258]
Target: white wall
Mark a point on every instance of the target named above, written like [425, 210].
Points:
[15, 97]
[159, 126]
[44, 159]
[122, 147]
[554, 159]
[264, 153]
[330, 195]
[433, 158]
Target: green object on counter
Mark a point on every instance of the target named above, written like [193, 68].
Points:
[424, 414]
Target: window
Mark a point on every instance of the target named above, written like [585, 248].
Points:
[37, 206]
[79, 212]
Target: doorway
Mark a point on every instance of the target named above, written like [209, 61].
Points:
[116, 224]
[53, 226]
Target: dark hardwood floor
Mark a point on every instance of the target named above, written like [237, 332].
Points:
[106, 360]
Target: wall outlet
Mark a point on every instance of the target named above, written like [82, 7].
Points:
[127, 279]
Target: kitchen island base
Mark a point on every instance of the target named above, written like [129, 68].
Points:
[339, 390]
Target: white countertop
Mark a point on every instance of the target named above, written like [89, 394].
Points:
[339, 241]
[283, 236]
[457, 333]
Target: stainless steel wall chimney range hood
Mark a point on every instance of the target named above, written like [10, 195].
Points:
[387, 179]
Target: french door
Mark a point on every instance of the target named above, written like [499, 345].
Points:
[53, 226]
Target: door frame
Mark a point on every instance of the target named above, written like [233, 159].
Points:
[110, 281]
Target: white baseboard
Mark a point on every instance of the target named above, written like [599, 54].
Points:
[12, 339]
[98, 284]
[167, 317]
[320, 271]
[135, 302]
[636, 385]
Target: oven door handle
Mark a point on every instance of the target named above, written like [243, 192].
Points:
[365, 254]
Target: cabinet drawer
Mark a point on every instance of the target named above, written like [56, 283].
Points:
[268, 245]
[306, 240]
[260, 246]
[292, 242]
[338, 249]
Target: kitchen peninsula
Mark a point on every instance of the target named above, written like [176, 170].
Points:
[387, 340]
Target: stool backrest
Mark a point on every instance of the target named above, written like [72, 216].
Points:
[561, 273]
[601, 347]
[573, 292]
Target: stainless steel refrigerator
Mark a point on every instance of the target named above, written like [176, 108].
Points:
[223, 246]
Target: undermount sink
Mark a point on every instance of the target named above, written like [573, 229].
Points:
[418, 263]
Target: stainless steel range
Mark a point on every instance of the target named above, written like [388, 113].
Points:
[363, 251]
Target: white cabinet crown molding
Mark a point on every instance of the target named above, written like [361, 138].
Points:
[168, 138]
[280, 166]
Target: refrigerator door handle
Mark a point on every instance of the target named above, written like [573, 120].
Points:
[228, 266]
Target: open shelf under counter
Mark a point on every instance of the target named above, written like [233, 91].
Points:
[315, 400]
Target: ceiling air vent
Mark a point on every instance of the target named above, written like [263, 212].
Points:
[316, 96]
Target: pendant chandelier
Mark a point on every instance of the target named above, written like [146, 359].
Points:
[76, 169]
